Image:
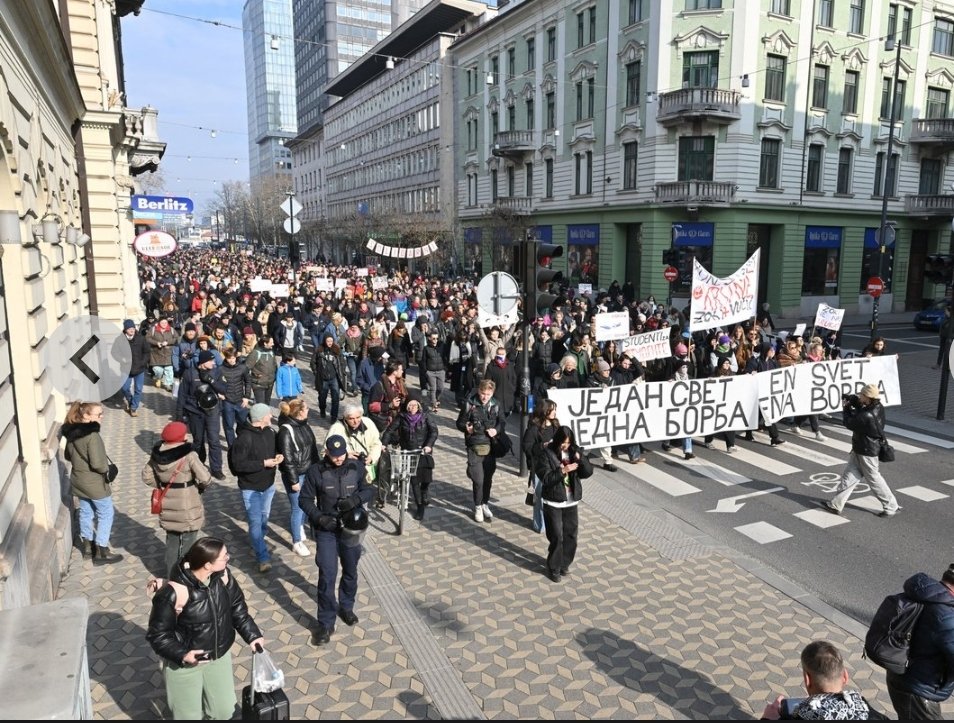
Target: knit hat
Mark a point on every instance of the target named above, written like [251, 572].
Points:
[174, 433]
[724, 339]
[681, 350]
[189, 326]
[552, 368]
[336, 446]
[206, 356]
[258, 412]
[602, 366]
[248, 331]
[129, 324]
[871, 391]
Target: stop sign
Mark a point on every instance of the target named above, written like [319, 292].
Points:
[671, 274]
[875, 286]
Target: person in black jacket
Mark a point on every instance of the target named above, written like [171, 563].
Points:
[413, 428]
[328, 367]
[335, 486]
[481, 420]
[299, 450]
[542, 426]
[200, 394]
[253, 459]
[192, 628]
[238, 393]
[561, 467]
[432, 367]
[132, 387]
[864, 416]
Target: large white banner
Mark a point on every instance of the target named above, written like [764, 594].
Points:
[828, 317]
[717, 302]
[644, 412]
[818, 387]
[612, 325]
[648, 346]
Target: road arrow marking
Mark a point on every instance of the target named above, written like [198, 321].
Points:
[77, 359]
[732, 504]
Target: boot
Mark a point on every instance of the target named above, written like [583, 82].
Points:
[86, 549]
[419, 514]
[105, 557]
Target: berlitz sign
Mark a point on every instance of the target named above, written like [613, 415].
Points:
[165, 204]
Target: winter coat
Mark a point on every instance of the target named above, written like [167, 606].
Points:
[161, 357]
[555, 487]
[192, 380]
[930, 672]
[432, 359]
[208, 620]
[262, 366]
[325, 484]
[399, 348]
[182, 508]
[504, 376]
[867, 427]
[401, 433]
[297, 443]
[327, 365]
[368, 374]
[534, 439]
[483, 417]
[185, 354]
[86, 452]
[247, 456]
[139, 348]
[365, 440]
[281, 332]
[381, 398]
[846, 705]
[238, 382]
[288, 382]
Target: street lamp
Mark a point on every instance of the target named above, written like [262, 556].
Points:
[892, 43]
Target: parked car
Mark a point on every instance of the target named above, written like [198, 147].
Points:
[932, 317]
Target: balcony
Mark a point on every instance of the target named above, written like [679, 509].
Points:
[697, 104]
[512, 143]
[516, 205]
[937, 132]
[696, 193]
[925, 205]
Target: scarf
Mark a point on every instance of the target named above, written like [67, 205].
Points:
[415, 420]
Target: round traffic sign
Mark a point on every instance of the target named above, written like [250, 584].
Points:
[497, 293]
[671, 273]
[875, 286]
[291, 225]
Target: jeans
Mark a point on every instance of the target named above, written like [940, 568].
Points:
[263, 395]
[297, 515]
[103, 511]
[132, 390]
[481, 470]
[231, 414]
[435, 383]
[258, 506]
[538, 523]
[861, 467]
[329, 385]
[163, 374]
[330, 550]
[352, 371]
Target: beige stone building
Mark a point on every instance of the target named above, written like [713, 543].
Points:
[69, 149]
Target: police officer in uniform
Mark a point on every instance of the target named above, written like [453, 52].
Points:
[333, 497]
[200, 393]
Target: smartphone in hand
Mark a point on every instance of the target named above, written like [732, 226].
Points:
[204, 656]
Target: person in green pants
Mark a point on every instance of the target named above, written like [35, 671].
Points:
[195, 615]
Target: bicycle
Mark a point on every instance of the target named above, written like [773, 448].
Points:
[403, 467]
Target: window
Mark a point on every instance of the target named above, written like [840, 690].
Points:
[531, 53]
[703, 4]
[886, 109]
[592, 14]
[768, 164]
[850, 99]
[844, 170]
[511, 62]
[494, 124]
[551, 44]
[579, 100]
[820, 270]
[590, 97]
[510, 181]
[493, 184]
[580, 27]
[781, 7]
[696, 158]
[820, 87]
[635, 11]
[469, 82]
[529, 168]
[932, 171]
[495, 69]
[632, 83]
[471, 189]
[511, 117]
[548, 180]
[629, 164]
[530, 110]
[943, 37]
[813, 175]
[589, 171]
[551, 110]
[700, 70]
[892, 174]
[775, 78]
[856, 17]
[937, 100]
[826, 13]
[905, 30]
[578, 163]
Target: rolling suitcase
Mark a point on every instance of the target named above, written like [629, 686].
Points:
[264, 706]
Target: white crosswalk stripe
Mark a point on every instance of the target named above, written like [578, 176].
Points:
[763, 532]
[922, 493]
[662, 481]
[820, 518]
[771, 464]
[898, 446]
[708, 469]
[807, 454]
[918, 437]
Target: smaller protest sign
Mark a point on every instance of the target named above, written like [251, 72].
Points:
[828, 317]
[584, 289]
[361, 272]
[799, 330]
[612, 325]
[258, 285]
[648, 346]
[278, 290]
[485, 320]
[323, 283]
[379, 282]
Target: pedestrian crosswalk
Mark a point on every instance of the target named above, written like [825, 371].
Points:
[758, 462]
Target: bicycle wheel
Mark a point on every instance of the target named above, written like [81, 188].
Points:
[402, 503]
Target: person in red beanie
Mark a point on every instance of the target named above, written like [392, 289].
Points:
[176, 469]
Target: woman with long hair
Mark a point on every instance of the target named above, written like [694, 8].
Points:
[561, 468]
[414, 428]
[86, 453]
[542, 426]
[299, 448]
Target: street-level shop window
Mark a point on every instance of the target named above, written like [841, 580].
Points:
[821, 265]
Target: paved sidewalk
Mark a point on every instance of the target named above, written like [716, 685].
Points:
[458, 619]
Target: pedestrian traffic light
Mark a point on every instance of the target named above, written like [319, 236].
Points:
[539, 276]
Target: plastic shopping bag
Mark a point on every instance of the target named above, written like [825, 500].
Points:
[266, 677]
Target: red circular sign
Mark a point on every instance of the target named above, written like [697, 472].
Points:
[875, 286]
[671, 274]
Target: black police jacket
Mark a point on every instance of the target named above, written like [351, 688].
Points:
[192, 379]
[326, 483]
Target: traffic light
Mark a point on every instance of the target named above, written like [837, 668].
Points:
[539, 276]
[669, 257]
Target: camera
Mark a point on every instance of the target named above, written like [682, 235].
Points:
[477, 425]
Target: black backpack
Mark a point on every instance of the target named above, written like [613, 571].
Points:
[888, 641]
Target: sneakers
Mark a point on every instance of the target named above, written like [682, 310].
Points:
[666, 446]
[829, 507]
[488, 515]
[133, 413]
[708, 445]
[820, 437]
[797, 431]
[264, 566]
[479, 513]
[302, 535]
[731, 450]
[301, 549]
[689, 455]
